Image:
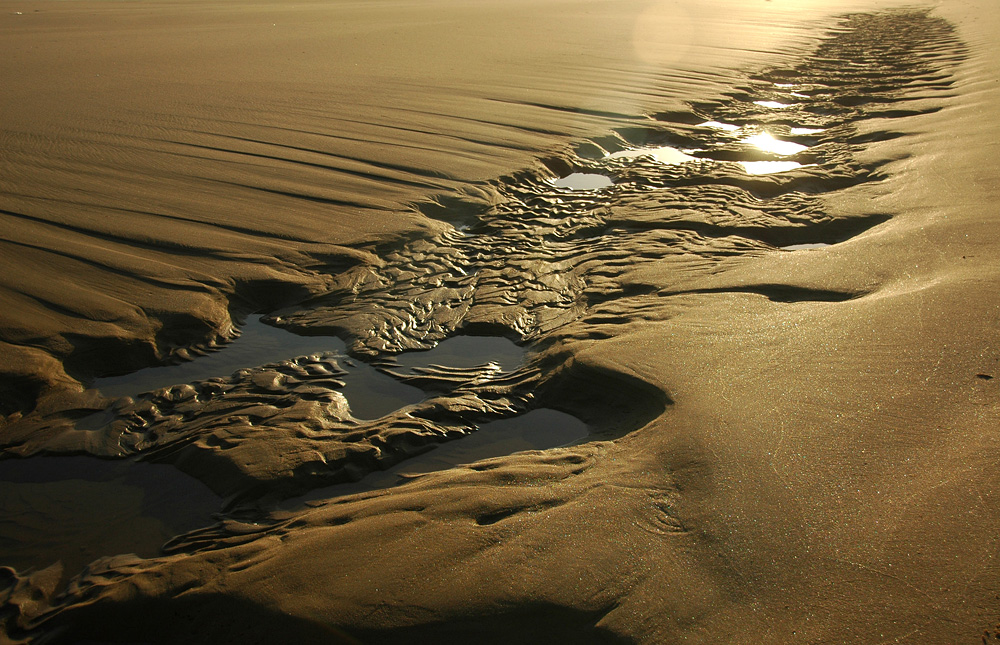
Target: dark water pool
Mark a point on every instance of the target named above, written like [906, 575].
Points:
[77, 509]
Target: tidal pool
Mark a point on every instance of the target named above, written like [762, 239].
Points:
[369, 393]
[466, 351]
[74, 510]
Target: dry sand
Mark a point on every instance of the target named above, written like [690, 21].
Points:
[786, 446]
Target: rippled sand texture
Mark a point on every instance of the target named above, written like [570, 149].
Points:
[775, 316]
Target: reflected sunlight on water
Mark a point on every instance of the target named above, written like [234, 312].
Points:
[773, 104]
[583, 181]
[716, 125]
[664, 155]
[764, 141]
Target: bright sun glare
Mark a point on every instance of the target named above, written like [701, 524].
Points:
[764, 141]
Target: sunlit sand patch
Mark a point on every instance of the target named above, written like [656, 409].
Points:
[805, 247]
[77, 509]
[764, 141]
[664, 155]
[583, 181]
[770, 167]
[773, 104]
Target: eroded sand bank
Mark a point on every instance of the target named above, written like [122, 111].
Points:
[784, 445]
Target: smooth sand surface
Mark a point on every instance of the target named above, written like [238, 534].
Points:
[787, 445]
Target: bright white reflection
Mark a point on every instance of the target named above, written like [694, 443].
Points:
[784, 84]
[664, 155]
[716, 125]
[806, 130]
[772, 104]
[764, 141]
[582, 181]
[769, 167]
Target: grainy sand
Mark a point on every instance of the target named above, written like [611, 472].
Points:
[786, 444]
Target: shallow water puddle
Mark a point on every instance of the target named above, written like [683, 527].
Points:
[258, 344]
[370, 393]
[583, 181]
[664, 155]
[77, 509]
[540, 429]
[466, 351]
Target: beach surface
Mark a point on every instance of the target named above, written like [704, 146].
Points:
[572, 321]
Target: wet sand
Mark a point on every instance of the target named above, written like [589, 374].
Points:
[770, 301]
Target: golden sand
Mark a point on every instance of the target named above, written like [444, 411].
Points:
[785, 445]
